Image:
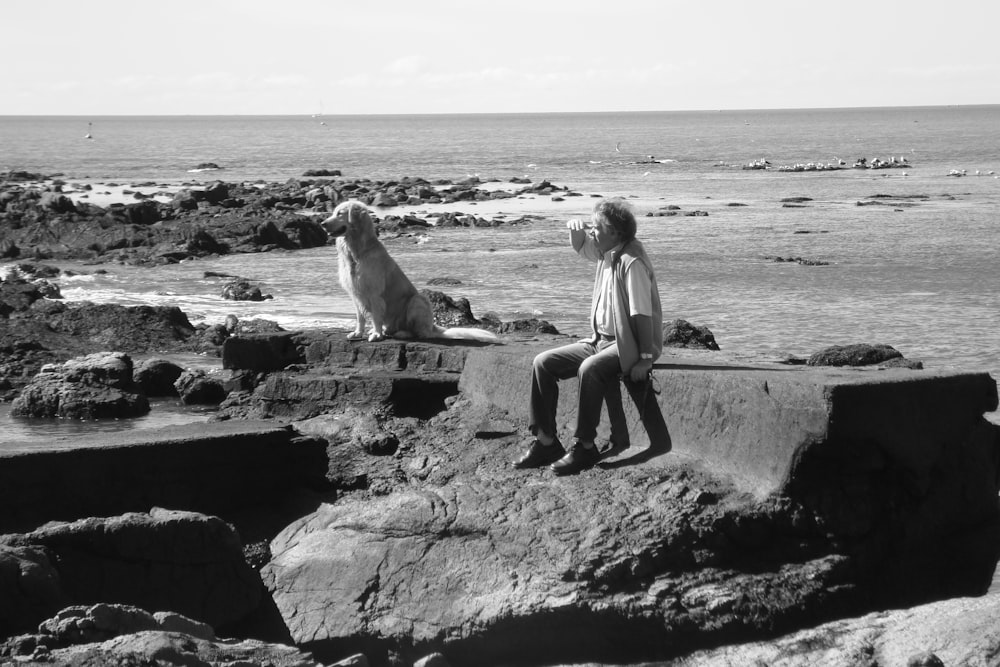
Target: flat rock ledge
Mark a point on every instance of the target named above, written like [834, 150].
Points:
[774, 497]
[771, 500]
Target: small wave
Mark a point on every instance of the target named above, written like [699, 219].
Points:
[95, 295]
[77, 278]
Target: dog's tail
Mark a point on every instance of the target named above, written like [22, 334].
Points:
[466, 333]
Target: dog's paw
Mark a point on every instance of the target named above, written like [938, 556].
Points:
[356, 335]
[375, 336]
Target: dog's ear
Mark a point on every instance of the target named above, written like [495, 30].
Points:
[354, 214]
[359, 214]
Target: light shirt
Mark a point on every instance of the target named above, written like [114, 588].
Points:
[638, 286]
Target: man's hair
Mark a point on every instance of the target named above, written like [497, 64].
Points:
[618, 213]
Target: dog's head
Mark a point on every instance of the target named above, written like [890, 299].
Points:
[351, 219]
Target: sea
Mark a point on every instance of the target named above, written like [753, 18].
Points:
[907, 256]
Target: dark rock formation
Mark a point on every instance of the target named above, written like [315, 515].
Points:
[35, 331]
[30, 271]
[30, 588]
[17, 295]
[217, 218]
[196, 387]
[178, 561]
[796, 260]
[449, 312]
[243, 290]
[156, 377]
[528, 326]
[861, 354]
[98, 386]
[681, 333]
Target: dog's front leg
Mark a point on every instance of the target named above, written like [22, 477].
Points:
[359, 327]
[377, 312]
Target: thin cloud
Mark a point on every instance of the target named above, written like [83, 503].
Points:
[405, 65]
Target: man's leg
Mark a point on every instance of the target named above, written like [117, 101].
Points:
[596, 375]
[619, 439]
[547, 370]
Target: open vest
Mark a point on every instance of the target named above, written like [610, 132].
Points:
[625, 334]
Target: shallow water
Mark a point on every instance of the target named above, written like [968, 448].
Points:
[27, 432]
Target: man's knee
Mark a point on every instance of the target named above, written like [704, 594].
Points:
[599, 367]
[540, 362]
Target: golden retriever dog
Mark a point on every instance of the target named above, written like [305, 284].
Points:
[379, 288]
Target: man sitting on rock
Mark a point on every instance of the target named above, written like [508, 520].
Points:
[626, 338]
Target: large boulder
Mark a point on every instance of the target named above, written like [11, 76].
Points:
[304, 232]
[472, 558]
[216, 192]
[187, 200]
[242, 290]
[156, 377]
[681, 333]
[16, 295]
[202, 243]
[780, 498]
[97, 386]
[196, 387]
[143, 213]
[57, 202]
[165, 559]
[38, 331]
[449, 312]
[30, 587]
[126, 328]
[861, 354]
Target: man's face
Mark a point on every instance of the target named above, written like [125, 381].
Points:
[606, 236]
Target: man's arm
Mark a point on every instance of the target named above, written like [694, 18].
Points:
[644, 329]
[579, 234]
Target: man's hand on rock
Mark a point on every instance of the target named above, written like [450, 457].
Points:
[640, 370]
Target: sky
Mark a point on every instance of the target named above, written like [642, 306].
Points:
[104, 57]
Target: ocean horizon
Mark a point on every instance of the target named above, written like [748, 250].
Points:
[515, 113]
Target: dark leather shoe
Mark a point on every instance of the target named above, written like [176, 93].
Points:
[539, 455]
[579, 458]
[615, 448]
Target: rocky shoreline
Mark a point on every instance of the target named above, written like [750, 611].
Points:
[353, 503]
[39, 221]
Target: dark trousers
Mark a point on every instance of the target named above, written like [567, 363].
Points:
[597, 368]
